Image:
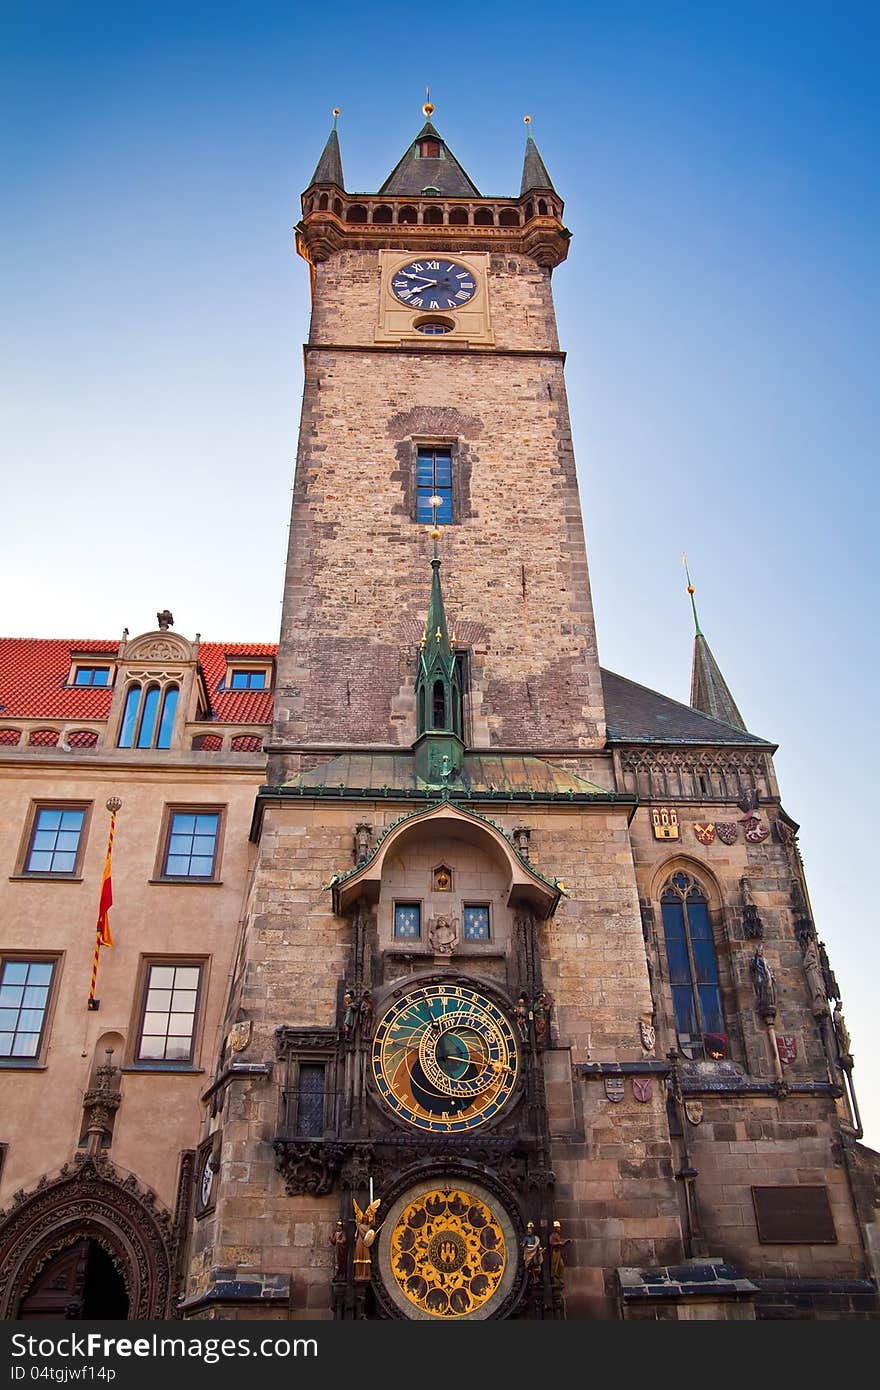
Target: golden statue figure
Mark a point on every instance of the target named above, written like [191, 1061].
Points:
[364, 1235]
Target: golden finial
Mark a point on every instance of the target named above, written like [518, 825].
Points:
[684, 561]
[428, 107]
[438, 634]
[527, 119]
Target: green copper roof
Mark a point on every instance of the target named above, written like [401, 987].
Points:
[481, 772]
[413, 173]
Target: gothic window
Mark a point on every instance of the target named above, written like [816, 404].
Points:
[434, 479]
[693, 968]
[407, 921]
[148, 717]
[310, 1098]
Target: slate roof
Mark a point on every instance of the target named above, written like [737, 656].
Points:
[34, 672]
[411, 174]
[329, 169]
[635, 714]
[480, 772]
[534, 175]
[710, 692]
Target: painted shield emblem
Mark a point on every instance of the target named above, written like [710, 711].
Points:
[787, 1047]
[642, 1090]
[704, 831]
[664, 821]
[240, 1036]
[614, 1087]
[694, 1111]
[754, 830]
[726, 830]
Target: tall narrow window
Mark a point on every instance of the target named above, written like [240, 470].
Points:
[148, 718]
[693, 969]
[434, 479]
[166, 719]
[129, 717]
[310, 1099]
[439, 706]
[170, 1005]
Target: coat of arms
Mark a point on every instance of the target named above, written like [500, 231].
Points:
[704, 831]
[694, 1111]
[787, 1047]
[664, 820]
[648, 1035]
[642, 1089]
[754, 829]
[614, 1087]
[726, 830]
[240, 1036]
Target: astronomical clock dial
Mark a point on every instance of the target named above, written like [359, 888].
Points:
[206, 1182]
[433, 284]
[445, 1058]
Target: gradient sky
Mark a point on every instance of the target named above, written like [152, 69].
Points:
[719, 307]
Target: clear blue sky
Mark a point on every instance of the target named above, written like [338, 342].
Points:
[719, 307]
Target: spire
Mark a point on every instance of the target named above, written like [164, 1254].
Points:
[710, 693]
[534, 177]
[438, 693]
[430, 165]
[329, 168]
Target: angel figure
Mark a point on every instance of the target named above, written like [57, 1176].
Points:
[364, 1235]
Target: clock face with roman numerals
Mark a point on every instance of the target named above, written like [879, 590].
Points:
[434, 283]
[445, 1058]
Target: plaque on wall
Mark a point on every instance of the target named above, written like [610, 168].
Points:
[794, 1216]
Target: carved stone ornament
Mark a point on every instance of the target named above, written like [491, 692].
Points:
[310, 1168]
[91, 1199]
[648, 1034]
[443, 935]
[240, 1035]
[159, 648]
[693, 1109]
[727, 831]
[705, 832]
[614, 1088]
[643, 1089]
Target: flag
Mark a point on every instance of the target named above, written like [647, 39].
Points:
[106, 901]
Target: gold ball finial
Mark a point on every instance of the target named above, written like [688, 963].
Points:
[691, 589]
[428, 108]
[527, 120]
[336, 110]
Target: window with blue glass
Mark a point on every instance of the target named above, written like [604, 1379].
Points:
[24, 999]
[148, 717]
[310, 1098]
[92, 675]
[407, 921]
[693, 969]
[434, 479]
[192, 844]
[476, 922]
[246, 680]
[55, 840]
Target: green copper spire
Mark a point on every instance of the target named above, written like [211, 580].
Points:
[534, 177]
[329, 168]
[439, 746]
[710, 693]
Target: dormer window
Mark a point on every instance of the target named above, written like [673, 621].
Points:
[247, 680]
[247, 675]
[91, 675]
[430, 149]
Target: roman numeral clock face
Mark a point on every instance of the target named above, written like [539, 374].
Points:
[445, 1059]
[434, 284]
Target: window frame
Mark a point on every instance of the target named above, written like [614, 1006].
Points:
[667, 884]
[73, 875]
[183, 808]
[408, 455]
[147, 962]
[55, 959]
[477, 940]
[402, 903]
[434, 490]
[251, 666]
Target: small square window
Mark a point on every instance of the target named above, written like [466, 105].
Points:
[169, 1012]
[476, 922]
[24, 999]
[55, 841]
[407, 921]
[246, 680]
[191, 847]
[92, 675]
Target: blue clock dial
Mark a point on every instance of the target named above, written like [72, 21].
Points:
[434, 284]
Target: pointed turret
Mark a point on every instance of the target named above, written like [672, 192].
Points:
[329, 169]
[429, 166]
[710, 693]
[535, 178]
[439, 747]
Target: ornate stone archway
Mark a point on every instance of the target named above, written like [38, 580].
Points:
[90, 1199]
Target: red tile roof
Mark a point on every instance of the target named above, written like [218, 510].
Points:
[34, 672]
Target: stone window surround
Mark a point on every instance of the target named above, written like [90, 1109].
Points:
[189, 808]
[408, 453]
[51, 804]
[132, 1061]
[56, 959]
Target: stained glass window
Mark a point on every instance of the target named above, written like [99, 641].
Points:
[693, 969]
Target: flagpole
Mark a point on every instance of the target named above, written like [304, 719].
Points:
[102, 932]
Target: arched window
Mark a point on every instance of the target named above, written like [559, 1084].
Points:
[356, 213]
[483, 217]
[148, 717]
[150, 709]
[508, 217]
[129, 717]
[382, 214]
[693, 968]
[166, 720]
[407, 215]
[458, 217]
[439, 721]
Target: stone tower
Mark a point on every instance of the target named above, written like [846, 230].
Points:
[453, 998]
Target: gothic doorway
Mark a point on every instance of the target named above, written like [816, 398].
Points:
[79, 1282]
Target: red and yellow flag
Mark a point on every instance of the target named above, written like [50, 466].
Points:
[106, 900]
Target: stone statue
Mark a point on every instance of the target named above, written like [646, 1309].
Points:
[844, 1041]
[365, 1011]
[832, 989]
[443, 935]
[349, 1015]
[762, 978]
[813, 972]
[540, 1019]
[753, 928]
[522, 1016]
[364, 1236]
[557, 1253]
[339, 1241]
[533, 1253]
[165, 619]
[363, 834]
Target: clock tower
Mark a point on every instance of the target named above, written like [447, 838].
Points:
[440, 1093]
